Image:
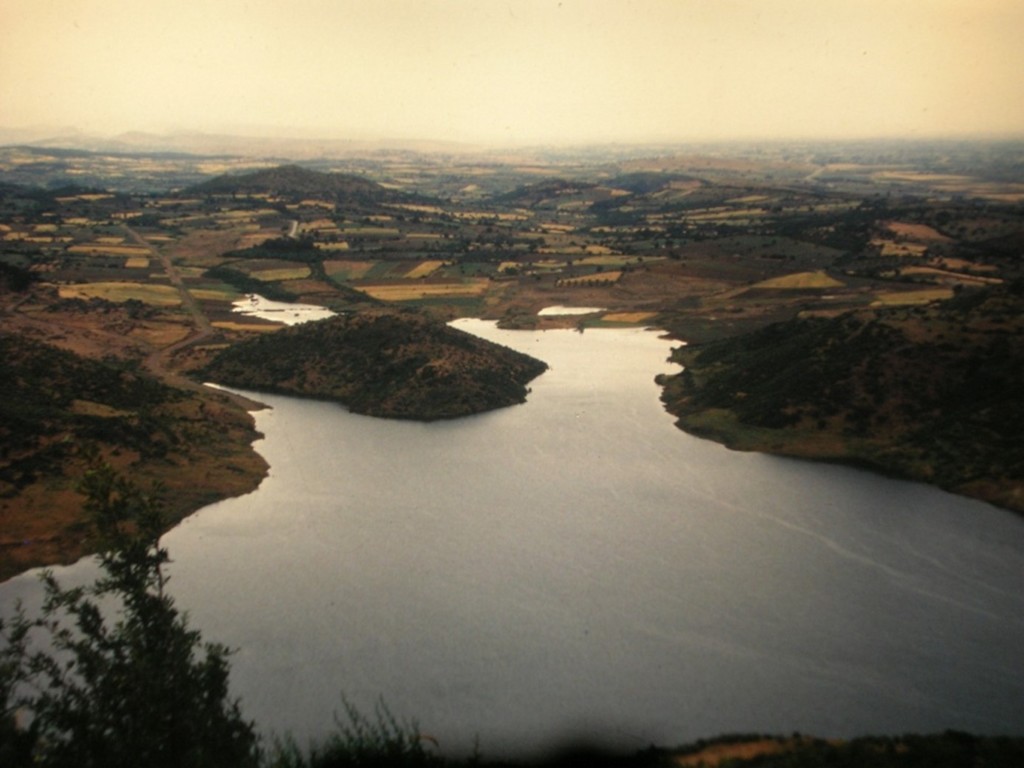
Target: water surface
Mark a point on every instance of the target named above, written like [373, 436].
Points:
[577, 566]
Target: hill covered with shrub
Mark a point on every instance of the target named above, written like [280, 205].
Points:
[58, 408]
[931, 393]
[398, 364]
[296, 181]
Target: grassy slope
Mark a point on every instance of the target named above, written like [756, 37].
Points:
[929, 393]
[398, 364]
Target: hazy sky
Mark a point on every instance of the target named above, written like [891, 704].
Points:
[516, 71]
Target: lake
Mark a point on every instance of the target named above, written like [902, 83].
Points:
[577, 567]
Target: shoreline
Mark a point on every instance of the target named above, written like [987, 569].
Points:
[722, 427]
[44, 525]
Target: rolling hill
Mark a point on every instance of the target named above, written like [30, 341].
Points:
[395, 364]
[294, 181]
[930, 393]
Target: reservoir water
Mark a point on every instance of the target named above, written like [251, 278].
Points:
[577, 567]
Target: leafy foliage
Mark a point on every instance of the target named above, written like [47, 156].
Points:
[143, 690]
[361, 741]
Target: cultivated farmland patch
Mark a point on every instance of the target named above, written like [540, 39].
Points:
[799, 281]
[413, 291]
[281, 273]
[158, 295]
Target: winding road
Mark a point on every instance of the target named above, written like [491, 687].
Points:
[157, 361]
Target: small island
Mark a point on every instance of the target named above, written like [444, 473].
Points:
[401, 364]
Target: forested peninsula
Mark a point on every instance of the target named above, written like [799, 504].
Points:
[400, 364]
[929, 393]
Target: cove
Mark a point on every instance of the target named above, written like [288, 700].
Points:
[577, 567]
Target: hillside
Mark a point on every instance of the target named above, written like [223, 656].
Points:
[396, 364]
[295, 181]
[930, 393]
[57, 407]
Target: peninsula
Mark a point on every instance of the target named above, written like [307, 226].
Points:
[401, 364]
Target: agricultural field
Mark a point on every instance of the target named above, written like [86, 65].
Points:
[144, 266]
[147, 293]
[415, 291]
[745, 240]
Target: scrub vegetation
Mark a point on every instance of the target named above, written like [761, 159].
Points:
[930, 393]
[397, 364]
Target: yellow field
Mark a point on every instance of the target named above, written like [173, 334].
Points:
[892, 248]
[628, 317]
[136, 262]
[284, 273]
[892, 298]
[423, 269]
[604, 260]
[342, 246]
[418, 208]
[109, 250]
[207, 294]
[598, 277]
[800, 280]
[318, 225]
[244, 327]
[917, 231]
[922, 177]
[712, 214]
[945, 274]
[89, 197]
[373, 231]
[236, 215]
[110, 240]
[413, 291]
[159, 295]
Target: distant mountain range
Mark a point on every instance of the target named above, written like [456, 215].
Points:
[216, 144]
